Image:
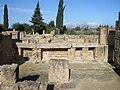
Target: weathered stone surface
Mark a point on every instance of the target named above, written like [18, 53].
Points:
[103, 37]
[66, 86]
[31, 85]
[8, 74]
[58, 71]
[42, 81]
[6, 49]
[71, 54]
[27, 85]
[85, 53]
[42, 86]
[8, 87]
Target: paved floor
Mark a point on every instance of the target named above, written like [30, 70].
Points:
[92, 76]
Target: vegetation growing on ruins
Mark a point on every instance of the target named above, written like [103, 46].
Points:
[5, 17]
[37, 20]
[59, 18]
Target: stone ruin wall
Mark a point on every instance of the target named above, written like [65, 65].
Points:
[92, 43]
[117, 43]
[9, 80]
[59, 73]
[6, 49]
[60, 38]
[70, 47]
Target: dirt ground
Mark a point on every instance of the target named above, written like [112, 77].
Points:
[83, 76]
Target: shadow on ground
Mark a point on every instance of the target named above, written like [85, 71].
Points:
[30, 77]
[117, 70]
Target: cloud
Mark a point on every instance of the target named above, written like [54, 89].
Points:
[23, 10]
[90, 24]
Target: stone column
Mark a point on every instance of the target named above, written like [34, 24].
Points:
[95, 53]
[19, 51]
[105, 53]
[58, 71]
[100, 54]
[71, 54]
[85, 53]
[103, 36]
[43, 35]
[39, 54]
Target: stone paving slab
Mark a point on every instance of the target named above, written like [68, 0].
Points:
[94, 76]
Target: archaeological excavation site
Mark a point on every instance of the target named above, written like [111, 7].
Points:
[59, 62]
[43, 56]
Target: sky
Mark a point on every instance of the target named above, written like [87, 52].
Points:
[77, 12]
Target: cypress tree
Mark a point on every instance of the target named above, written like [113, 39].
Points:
[59, 19]
[5, 17]
[37, 20]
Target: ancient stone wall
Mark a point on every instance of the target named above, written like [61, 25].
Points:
[54, 54]
[6, 49]
[47, 46]
[14, 34]
[117, 43]
[111, 44]
[61, 38]
[9, 76]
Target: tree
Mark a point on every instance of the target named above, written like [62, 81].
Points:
[27, 27]
[1, 28]
[63, 30]
[59, 19]
[50, 27]
[18, 27]
[51, 24]
[77, 28]
[22, 27]
[37, 20]
[5, 17]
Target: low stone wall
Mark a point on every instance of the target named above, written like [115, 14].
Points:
[8, 80]
[54, 54]
[31, 85]
[25, 85]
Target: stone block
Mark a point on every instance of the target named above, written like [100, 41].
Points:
[27, 85]
[8, 87]
[8, 74]
[42, 86]
[58, 71]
